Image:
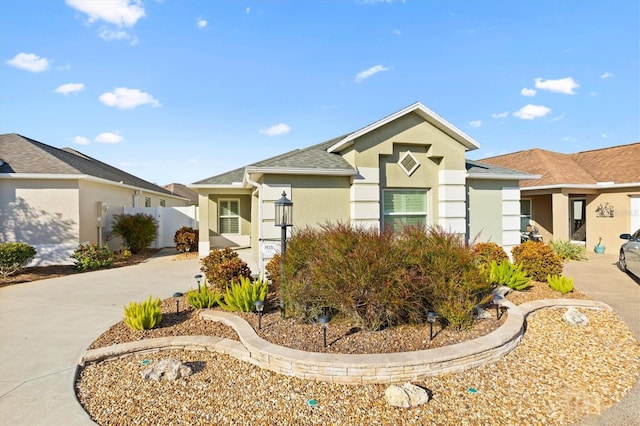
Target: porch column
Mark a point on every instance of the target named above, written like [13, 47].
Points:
[204, 245]
[560, 209]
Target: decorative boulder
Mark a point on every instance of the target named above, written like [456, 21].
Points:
[575, 317]
[170, 368]
[501, 291]
[406, 396]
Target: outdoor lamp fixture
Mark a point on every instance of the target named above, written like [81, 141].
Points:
[259, 307]
[324, 322]
[431, 317]
[177, 296]
[498, 300]
[198, 278]
[284, 218]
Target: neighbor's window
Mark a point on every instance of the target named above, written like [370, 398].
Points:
[147, 202]
[405, 208]
[229, 216]
[162, 203]
[525, 213]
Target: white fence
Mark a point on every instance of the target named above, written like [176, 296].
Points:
[169, 220]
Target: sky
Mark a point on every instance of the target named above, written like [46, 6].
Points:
[176, 91]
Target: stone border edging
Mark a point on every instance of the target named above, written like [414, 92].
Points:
[347, 368]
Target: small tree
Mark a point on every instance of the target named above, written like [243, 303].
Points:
[14, 256]
[138, 231]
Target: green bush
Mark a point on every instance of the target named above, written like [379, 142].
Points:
[223, 266]
[144, 315]
[509, 275]
[537, 259]
[568, 250]
[205, 298]
[89, 257]
[186, 239]
[243, 295]
[14, 256]
[138, 230]
[560, 283]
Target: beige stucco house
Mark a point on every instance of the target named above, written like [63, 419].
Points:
[54, 199]
[582, 196]
[406, 168]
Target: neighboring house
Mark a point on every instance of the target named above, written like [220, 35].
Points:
[583, 196]
[407, 168]
[54, 199]
[182, 191]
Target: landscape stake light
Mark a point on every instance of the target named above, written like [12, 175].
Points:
[324, 322]
[259, 307]
[198, 278]
[284, 218]
[177, 296]
[431, 317]
[497, 300]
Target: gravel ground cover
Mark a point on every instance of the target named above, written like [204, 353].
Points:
[558, 374]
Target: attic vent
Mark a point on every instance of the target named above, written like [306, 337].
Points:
[408, 163]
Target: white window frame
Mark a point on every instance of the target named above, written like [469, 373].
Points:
[147, 201]
[230, 216]
[422, 214]
[403, 157]
[162, 203]
[523, 225]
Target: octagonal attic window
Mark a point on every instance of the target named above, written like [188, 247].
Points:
[408, 163]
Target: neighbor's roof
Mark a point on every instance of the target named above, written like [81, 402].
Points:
[617, 165]
[21, 155]
[478, 170]
[182, 191]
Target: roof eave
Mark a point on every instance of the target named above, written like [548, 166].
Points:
[502, 176]
[302, 171]
[582, 186]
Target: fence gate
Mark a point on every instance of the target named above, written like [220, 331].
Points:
[169, 220]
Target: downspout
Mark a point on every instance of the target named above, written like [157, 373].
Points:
[258, 187]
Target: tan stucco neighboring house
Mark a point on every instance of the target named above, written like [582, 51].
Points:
[582, 196]
[54, 199]
[408, 167]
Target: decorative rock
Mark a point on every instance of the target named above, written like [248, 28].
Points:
[501, 291]
[171, 369]
[406, 396]
[575, 317]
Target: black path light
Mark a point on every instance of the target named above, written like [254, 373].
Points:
[259, 307]
[284, 219]
[498, 301]
[177, 296]
[198, 279]
[431, 317]
[324, 322]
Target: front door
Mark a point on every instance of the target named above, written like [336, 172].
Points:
[577, 219]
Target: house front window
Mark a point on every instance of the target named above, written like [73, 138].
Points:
[229, 216]
[405, 208]
[163, 203]
[147, 202]
[525, 214]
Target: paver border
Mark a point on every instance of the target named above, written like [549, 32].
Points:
[346, 368]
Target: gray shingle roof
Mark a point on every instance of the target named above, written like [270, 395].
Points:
[479, 169]
[23, 155]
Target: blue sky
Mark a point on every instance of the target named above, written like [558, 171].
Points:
[180, 90]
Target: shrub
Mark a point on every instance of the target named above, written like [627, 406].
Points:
[243, 295]
[138, 230]
[144, 315]
[89, 257]
[560, 283]
[186, 239]
[14, 256]
[568, 250]
[223, 266]
[122, 254]
[485, 253]
[537, 259]
[204, 298]
[510, 275]
[273, 268]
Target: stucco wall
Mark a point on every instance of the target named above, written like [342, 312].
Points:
[609, 228]
[485, 209]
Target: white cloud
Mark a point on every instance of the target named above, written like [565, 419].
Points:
[531, 112]
[500, 115]
[558, 118]
[475, 123]
[201, 23]
[123, 13]
[30, 62]
[65, 89]
[528, 92]
[248, 10]
[606, 75]
[562, 85]
[109, 35]
[125, 98]
[108, 137]
[369, 72]
[81, 140]
[604, 135]
[276, 130]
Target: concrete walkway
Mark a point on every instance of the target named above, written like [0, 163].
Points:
[46, 325]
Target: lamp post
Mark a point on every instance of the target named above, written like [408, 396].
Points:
[177, 296]
[284, 218]
[259, 307]
[198, 278]
[431, 317]
[324, 321]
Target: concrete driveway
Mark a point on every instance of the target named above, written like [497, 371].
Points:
[46, 325]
